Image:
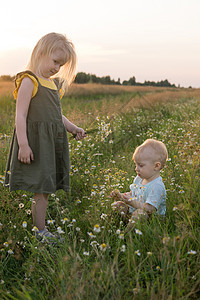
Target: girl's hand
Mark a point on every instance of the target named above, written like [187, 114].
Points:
[80, 133]
[25, 154]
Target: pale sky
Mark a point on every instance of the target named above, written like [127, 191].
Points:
[149, 39]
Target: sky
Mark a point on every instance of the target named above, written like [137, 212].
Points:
[150, 39]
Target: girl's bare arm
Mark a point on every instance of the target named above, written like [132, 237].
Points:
[72, 128]
[25, 154]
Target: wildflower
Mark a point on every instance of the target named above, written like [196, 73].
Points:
[21, 205]
[138, 231]
[131, 220]
[2, 281]
[103, 247]
[166, 240]
[73, 220]
[86, 253]
[158, 268]
[28, 211]
[82, 240]
[50, 222]
[91, 235]
[78, 201]
[118, 231]
[181, 192]
[64, 220]
[59, 230]
[149, 253]
[10, 251]
[5, 244]
[35, 229]
[78, 229]
[97, 228]
[175, 208]
[138, 252]
[123, 248]
[24, 224]
[192, 252]
[103, 216]
[121, 236]
[94, 243]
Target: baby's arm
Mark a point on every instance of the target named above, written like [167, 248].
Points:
[141, 208]
[25, 154]
[116, 195]
[72, 128]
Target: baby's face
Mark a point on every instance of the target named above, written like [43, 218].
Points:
[146, 166]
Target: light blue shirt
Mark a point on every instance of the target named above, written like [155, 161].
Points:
[153, 193]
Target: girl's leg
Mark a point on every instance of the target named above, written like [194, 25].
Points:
[39, 208]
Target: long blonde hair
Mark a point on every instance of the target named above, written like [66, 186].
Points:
[45, 47]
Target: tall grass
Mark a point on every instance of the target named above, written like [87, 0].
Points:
[159, 259]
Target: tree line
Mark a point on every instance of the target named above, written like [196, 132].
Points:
[82, 77]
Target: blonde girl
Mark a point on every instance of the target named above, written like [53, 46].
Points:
[39, 155]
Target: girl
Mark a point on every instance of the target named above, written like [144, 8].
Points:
[39, 155]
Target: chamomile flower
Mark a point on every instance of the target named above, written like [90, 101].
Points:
[123, 248]
[10, 251]
[50, 222]
[34, 229]
[137, 231]
[86, 253]
[5, 244]
[103, 247]
[97, 228]
[94, 243]
[138, 252]
[175, 208]
[91, 235]
[121, 236]
[192, 252]
[103, 216]
[64, 220]
[24, 224]
[59, 230]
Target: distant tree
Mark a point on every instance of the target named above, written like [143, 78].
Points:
[6, 78]
[125, 82]
[82, 77]
[132, 80]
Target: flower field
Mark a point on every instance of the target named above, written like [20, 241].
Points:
[159, 258]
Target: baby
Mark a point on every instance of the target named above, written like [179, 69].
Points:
[147, 193]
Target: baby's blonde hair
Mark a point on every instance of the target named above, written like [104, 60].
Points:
[45, 47]
[157, 148]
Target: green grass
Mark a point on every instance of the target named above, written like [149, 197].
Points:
[158, 264]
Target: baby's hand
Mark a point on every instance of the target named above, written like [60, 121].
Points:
[116, 195]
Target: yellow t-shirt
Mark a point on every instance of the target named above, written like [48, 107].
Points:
[49, 84]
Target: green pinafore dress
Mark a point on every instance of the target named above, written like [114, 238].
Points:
[47, 136]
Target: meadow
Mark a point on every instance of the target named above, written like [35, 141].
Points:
[160, 258]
